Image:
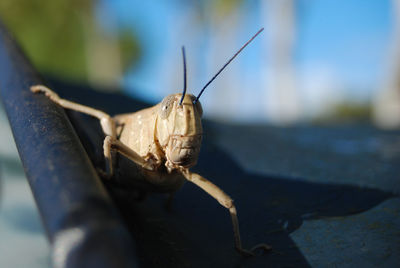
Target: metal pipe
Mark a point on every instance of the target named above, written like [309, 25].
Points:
[81, 222]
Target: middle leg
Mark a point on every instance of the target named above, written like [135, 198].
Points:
[112, 144]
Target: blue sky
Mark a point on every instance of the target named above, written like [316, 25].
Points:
[342, 47]
[352, 36]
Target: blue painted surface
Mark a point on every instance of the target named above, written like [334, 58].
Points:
[344, 192]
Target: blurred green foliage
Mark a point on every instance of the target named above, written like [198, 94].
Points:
[53, 34]
[217, 9]
[353, 111]
[130, 48]
[226, 7]
[347, 112]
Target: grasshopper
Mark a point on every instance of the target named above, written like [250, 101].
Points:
[163, 140]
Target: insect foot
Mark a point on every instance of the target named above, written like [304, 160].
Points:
[238, 242]
[48, 92]
[251, 253]
[103, 174]
[264, 247]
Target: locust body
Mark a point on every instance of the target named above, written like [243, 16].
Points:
[164, 143]
[168, 136]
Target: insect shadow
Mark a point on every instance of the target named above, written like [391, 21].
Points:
[197, 232]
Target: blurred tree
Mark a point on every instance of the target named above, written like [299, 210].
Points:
[346, 112]
[219, 21]
[283, 102]
[218, 9]
[55, 35]
[279, 17]
[225, 7]
[386, 103]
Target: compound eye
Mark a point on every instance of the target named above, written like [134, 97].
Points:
[166, 106]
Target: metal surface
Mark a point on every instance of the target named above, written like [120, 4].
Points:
[83, 227]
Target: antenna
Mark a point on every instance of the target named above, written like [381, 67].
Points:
[184, 75]
[226, 64]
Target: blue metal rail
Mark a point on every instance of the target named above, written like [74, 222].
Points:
[82, 224]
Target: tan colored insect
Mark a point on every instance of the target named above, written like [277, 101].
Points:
[164, 140]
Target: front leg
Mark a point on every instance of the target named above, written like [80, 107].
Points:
[227, 202]
[112, 144]
[106, 121]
